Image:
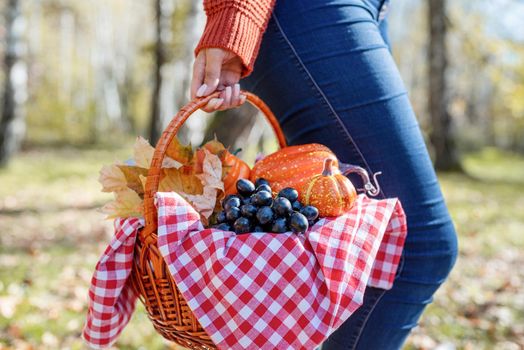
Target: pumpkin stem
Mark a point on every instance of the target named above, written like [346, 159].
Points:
[328, 163]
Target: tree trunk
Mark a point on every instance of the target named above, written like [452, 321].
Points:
[441, 136]
[12, 123]
[162, 38]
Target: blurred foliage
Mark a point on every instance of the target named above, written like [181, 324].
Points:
[90, 68]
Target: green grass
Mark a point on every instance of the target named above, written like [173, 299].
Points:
[52, 236]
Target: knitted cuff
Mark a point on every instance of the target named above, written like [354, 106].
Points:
[233, 27]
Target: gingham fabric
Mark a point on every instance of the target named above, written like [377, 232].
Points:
[256, 290]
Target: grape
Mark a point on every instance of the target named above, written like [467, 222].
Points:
[282, 206]
[262, 198]
[265, 215]
[242, 225]
[261, 181]
[233, 201]
[245, 187]
[248, 210]
[258, 228]
[279, 225]
[232, 213]
[310, 212]
[263, 187]
[289, 193]
[221, 217]
[227, 197]
[296, 205]
[223, 226]
[247, 200]
[298, 222]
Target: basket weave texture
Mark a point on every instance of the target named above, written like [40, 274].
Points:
[150, 277]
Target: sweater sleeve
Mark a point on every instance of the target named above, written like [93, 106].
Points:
[238, 26]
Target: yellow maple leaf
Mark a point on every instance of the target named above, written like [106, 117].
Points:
[143, 152]
[112, 178]
[179, 180]
[127, 203]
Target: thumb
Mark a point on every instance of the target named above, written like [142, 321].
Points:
[214, 59]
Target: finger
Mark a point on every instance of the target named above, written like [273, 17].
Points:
[198, 73]
[212, 71]
[243, 99]
[227, 98]
[235, 98]
[213, 105]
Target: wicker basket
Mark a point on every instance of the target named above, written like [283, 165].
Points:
[150, 277]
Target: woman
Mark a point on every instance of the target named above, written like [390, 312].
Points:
[325, 69]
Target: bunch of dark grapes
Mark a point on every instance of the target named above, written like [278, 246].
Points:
[254, 209]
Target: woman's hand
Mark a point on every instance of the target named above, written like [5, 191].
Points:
[217, 69]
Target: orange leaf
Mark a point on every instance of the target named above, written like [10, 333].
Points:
[179, 152]
[132, 175]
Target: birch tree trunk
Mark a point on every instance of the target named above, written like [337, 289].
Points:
[12, 123]
[441, 135]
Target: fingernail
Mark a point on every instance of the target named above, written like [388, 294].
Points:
[242, 99]
[201, 90]
[237, 89]
[217, 102]
[228, 92]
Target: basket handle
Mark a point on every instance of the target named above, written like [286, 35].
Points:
[147, 235]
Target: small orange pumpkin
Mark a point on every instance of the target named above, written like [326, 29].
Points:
[294, 165]
[332, 193]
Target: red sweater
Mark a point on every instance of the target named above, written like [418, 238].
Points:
[236, 25]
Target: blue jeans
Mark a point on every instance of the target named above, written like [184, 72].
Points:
[325, 70]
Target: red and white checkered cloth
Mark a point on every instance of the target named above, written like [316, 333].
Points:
[256, 290]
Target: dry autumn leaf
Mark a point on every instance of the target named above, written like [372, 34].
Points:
[132, 175]
[169, 162]
[112, 178]
[211, 171]
[178, 180]
[127, 203]
[211, 180]
[143, 152]
[179, 152]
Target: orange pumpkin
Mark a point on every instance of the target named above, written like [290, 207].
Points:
[332, 193]
[292, 166]
[235, 169]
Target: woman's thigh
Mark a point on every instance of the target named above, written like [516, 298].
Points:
[327, 74]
